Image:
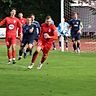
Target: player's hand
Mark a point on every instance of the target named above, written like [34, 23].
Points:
[46, 35]
[20, 38]
[79, 31]
[31, 30]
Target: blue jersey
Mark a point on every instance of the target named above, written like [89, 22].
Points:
[37, 30]
[65, 31]
[26, 33]
[75, 25]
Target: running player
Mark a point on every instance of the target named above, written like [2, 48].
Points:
[28, 38]
[48, 34]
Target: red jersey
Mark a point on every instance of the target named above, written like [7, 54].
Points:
[51, 30]
[23, 21]
[11, 26]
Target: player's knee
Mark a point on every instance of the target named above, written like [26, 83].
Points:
[38, 49]
[45, 55]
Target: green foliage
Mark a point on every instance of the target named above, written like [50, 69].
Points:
[39, 7]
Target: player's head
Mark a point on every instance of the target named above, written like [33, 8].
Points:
[75, 15]
[13, 12]
[48, 20]
[20, 15]
[32, 17]
[29, 21]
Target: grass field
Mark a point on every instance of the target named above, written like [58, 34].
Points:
[63, 74]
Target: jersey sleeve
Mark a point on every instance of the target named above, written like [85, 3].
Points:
[41, 34]
[3, 22]
[19, 25]
[55, 36]
[59, 29]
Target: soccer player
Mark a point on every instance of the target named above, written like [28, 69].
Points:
[65, 32]
[36, 31]
[28, 37]
[36, 23]
[22, 19]
[76, 27]
[48, 34]
[12, 23]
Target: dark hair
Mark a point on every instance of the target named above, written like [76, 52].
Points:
[32, 15]
[48, 17]
[12, 9]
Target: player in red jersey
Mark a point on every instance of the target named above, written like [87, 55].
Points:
[48, 34]
[12, 23]
[22, 19]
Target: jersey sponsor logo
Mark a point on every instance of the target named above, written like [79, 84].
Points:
[75, 25]
[11, 26]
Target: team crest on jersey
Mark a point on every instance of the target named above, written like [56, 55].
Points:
[11, 26]
[77, 22]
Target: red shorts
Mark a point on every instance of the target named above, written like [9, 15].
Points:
[45, 47]
[10, 40]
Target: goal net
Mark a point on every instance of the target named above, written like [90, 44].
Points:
[86, 14]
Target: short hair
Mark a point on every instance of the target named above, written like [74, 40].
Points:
[12, 9]
[73, 13]
[32, 15]
[48, 17]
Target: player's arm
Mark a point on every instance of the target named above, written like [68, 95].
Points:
[81, 27]
[31, 30]
[3, 22]
[55, 36]
[19, 30]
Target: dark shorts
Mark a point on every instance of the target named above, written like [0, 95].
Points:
[26, 41]
[75, 37]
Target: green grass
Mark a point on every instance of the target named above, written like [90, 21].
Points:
[63, 74]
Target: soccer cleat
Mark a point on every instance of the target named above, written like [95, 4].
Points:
[25, 55]
[9, 62]
[78, 50]
[30, 53]
[39, 66]
[30, 66]
[54, 48]
[19, 58]
[75, 51]
[14, 61]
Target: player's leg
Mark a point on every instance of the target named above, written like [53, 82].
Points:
[30, 46]
[9, 52]
[24, 49]
[54, 45]
[35, 54]
[14, 53]
[74, 43]
[66, 42]
[60, 42]
[78, 42]
[13, 43]
[21, 51]
[44, 56]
